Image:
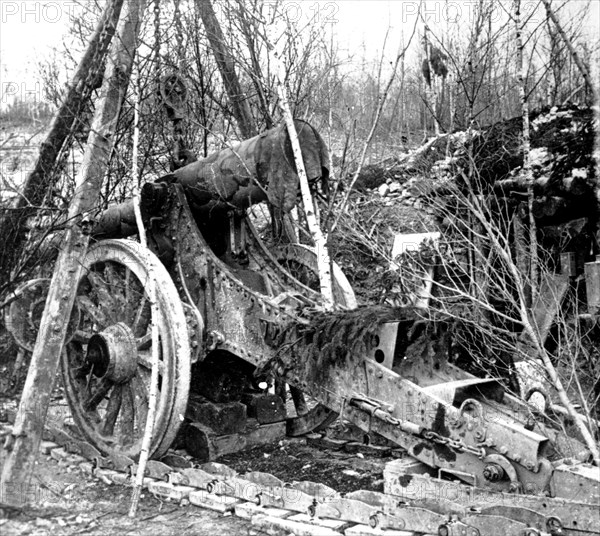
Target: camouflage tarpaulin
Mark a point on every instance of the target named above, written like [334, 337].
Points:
[255, 170]
[261, 168]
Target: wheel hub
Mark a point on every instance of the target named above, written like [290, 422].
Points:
[112, 353]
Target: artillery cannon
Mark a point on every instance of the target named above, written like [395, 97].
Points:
[225, 300]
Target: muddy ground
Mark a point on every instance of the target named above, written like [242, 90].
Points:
[66, 501]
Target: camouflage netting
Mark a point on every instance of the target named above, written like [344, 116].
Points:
[331, 337]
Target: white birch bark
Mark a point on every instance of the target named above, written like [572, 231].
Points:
[153, 390]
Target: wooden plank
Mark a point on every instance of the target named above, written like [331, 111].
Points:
[222, 418]
[364, 530]
[248, 510]
[265, 434]
[283, 527]
[217, 503]
[166, 491]
[266, 408]
[334, 524]
[204, 444]
[29, 424]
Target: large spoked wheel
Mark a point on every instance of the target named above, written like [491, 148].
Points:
[106, 367]
[301, 262]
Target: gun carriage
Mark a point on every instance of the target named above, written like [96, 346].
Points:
[228, 304]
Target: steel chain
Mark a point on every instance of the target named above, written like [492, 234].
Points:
[454, 444]
[377, 410]
[179, 36]
[157, 41]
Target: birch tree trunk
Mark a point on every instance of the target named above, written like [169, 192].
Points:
[320, 240]
[431, 89]
[40, 180]
[596, 77]
[31, 416]
[151, 289]
[527, 172]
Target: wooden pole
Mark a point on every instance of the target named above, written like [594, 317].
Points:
[31, 416]
[580, 65]
[39, 180]
[237, 97]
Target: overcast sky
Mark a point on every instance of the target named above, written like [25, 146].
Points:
[29, 29]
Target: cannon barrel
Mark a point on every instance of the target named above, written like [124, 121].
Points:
[259, 169]
[255, 170]
[117, 221]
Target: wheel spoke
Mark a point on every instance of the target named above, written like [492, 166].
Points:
[143, 343]
[113, 279]
[81, 336]
[103, 292]
[98, 396]
[140, 402]
[78, 368]
[117, 291]
[94, 312]
[142, 317]
[112, 410]
[129, 297]
[127, 416]
[145, 360]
